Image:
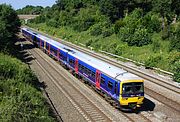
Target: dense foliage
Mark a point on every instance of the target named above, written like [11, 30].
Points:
[9, 26]
[20, 99]
[119, 26]
[20, 95]
[29, 9]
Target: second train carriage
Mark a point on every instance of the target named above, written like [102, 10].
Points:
[126, 89]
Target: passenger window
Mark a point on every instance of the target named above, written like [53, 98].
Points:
[102, 80]
[110, 85]
[82, 68]
[89, 71]
[79, 66]
[86, 70]
[93, 75]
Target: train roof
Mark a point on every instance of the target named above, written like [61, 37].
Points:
[112, 71]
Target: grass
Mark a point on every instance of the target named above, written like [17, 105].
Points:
[159, 48]
[20, 97]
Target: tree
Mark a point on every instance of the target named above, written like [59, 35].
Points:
[9, 25]
[166, 10]
[29, 9]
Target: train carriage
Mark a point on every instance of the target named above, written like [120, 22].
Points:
[119, 86]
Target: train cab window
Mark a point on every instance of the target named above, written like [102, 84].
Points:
[82, 68]
[110, 85]
[102, 80]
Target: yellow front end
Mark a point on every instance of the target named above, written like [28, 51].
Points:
[130, 100]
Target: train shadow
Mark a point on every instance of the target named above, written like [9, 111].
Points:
[148, 105]
[23, 55]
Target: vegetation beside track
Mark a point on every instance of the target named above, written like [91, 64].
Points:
[162, 59]
[21, 98]
[144, 31]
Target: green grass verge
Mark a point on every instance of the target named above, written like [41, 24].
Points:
[20, 97]
[153, 55]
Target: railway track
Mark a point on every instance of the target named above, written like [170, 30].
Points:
[171, 104]
[85, 107]
[144, 75]
[82, 103]
[162, 99]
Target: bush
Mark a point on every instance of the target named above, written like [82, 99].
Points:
[107, 32]
[152, 61]
[111, 48]
[133, 31]
[175, 39]
[89, 42]
[118, 24]
[84, 19]
[52, 23]
[176, 71]
[96, 30]
[119, 49]
[156, 45]
[151, 22]
[20, 96]
[125, 34]
[141, 37]
[174, 57]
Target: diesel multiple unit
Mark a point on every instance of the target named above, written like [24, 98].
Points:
[118, 86]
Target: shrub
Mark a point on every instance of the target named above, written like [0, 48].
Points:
[174, 57]
[118, 24]
[88, 43]
[141, 37]
[111, 48]
[175, 39]
[20, 96]
[107, 32]
[96, 30]
[176, 71]
[84, 19]
[151, 22]
[52, 23]
[156, 46]
[152, 61]
[119, 49]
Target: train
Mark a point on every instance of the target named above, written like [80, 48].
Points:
[120, 87]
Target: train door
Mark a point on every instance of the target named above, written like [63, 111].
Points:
[44, 45]
[98, 78]
[116, 88]
[58, 56]
[49, 49]
[76, 66]
[40, 43]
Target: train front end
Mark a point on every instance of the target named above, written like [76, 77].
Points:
[131, 94]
